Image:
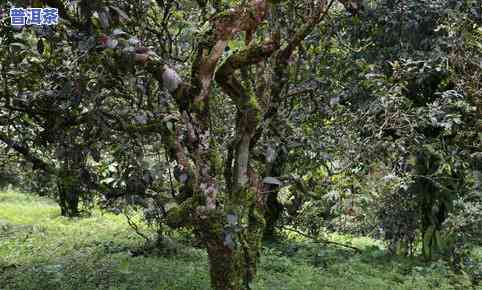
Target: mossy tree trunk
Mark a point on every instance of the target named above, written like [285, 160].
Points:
[230, 221]
[233, 269]
[233, 251]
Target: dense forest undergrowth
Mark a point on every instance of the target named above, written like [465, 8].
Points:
[40, 249]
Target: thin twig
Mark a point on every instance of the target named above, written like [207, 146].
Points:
[134, 226]
[322, 241]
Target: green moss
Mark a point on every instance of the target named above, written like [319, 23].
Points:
[253, 102]
[215, 158]
[199, 105]
[181, 216]
[149, 127]
[225, 15]
[175, 217]
[253, 105]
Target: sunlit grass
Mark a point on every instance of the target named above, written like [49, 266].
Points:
[39, 249]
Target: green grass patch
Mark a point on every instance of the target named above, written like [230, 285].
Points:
[39, 249]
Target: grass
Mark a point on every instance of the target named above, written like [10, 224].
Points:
[39, 249]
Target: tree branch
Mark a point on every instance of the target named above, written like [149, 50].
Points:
[280, 77]
[322, 241]
[28, 155]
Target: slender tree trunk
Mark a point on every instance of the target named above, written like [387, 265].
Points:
[274, 210]
[69, 203]
[69, 196]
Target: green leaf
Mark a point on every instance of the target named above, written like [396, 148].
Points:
[108, 180]
[170, 126]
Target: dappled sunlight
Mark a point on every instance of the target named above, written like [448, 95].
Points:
[83, 253]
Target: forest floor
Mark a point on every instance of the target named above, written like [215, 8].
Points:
[39, 249]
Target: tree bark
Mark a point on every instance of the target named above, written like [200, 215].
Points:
[68, 190]
[273, 213]
[226, 267]
[234, 247]
[232, 269]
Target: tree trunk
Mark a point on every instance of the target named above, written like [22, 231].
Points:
[273, 213]
[275, 161]
[68, 196]
[226, 267]
[69, 203]
[234, 267]
[233, 242]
